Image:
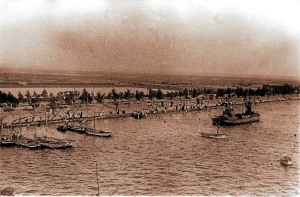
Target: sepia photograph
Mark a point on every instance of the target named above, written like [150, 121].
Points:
[149, 97]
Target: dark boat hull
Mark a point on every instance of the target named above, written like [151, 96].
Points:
[76, 129]
[28, 143]
[61, 128]
[222, 120]
[7, 143]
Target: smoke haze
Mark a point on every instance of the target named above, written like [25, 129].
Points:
[135, 37]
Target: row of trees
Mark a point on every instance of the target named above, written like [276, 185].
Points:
[87, 97]
[266, 90]
[8, 98]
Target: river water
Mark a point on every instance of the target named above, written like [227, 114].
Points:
[164, 155]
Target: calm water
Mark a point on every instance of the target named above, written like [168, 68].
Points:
[164, 155]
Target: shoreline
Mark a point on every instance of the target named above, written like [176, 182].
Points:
[107, 110]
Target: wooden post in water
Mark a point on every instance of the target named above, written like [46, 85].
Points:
[1, 130]
[46, 118]
[20, 120]
[94, 121]
[97, 179]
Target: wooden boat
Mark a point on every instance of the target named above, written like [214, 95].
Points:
[285, 160]
[229, 117]
[62, 128]
[98, 133]
[23, 141]
[7, 142]
[77, 129]
[27, 142]
[213, 135]
[54, 143]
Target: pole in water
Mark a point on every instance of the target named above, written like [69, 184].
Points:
[94, 121]
[97, 179]
[1, 131]
[20, 120]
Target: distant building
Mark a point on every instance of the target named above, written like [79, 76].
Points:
[66, 93]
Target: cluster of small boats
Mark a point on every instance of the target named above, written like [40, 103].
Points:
[84, 130]
[37, 143]
[227, 118]
[50, 142]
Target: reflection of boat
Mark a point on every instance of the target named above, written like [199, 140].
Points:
[229, 117]
[285, 160]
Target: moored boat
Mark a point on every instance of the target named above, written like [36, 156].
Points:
[27, 142]
[53, 143]
[56, 145]
[285, 160]
[7, 142]
[229, 117]
[98, 133]
[62, 128]
[71, 127]
[213, 135]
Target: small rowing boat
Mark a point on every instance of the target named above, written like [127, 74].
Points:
[98, 133]
[285, 160]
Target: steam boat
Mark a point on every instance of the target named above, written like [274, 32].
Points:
[229, 117]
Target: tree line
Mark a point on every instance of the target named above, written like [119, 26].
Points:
[87, 97]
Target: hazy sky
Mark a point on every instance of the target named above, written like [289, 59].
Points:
[190, 37]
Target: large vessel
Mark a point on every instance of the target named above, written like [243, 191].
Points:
[229, 117]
